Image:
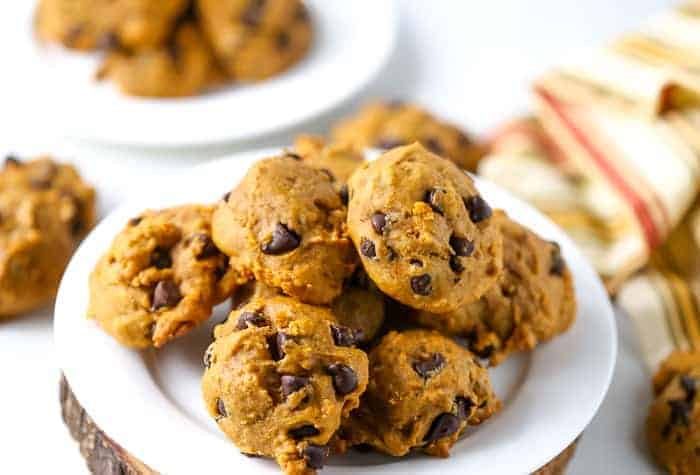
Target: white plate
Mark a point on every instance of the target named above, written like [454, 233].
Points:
[353, 40]
[150, 402]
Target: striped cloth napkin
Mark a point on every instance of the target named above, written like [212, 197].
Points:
[612, 155]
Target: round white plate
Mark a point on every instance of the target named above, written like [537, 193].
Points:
[150, 402]
[353, 40]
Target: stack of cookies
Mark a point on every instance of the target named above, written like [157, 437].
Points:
[175, 48]
[368, 299]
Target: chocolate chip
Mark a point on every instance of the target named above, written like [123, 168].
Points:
[344, 378]
[135, 221]
[292, 384]
[208, 249]
[276, 343]
[484, 353]
[461, 246]
[456, 265]
[430, 366]
[226, 197]
[463, 140]
[161, 259]
[108, 41]
[302, 13]
[166, 294]
[253, 13]
[367, 248]
[315, 456]
[464, 406]
[378, 222]
[387, 143]
[251, 319]
[390, 253]
[221, 269]
[344, 336]
[690, 386]
[221, 408]
[283, 40]
[344, 195]
[432, 197]
[303, 432]
[478, 208]
[13, 161]
[293, 156]
[422, 284]
[558, 264]
[253, 456]
[283, 240]
[680, 415]
[416, 262]
[443, 426]
[207, 358]
[328, 173]
[433, 144]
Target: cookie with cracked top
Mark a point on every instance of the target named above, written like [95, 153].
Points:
[424, 234]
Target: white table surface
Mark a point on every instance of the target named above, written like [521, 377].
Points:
[469, 61]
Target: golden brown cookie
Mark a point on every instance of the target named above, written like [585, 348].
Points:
[279, 381]
[256, 39]
[673, 424]
[284, 224]
[532, 302]
[362, 310]
[339, 161]
[161, 277]
[424, 390]
[183, 66]
[386, 125]
[45, 210]
[90, 24]
[424, 232]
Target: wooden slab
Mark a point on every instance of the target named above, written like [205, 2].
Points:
[106, 457]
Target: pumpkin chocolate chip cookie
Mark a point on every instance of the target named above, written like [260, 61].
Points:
[256, 39]
[285, 225]
[339, 161]
[424, 233]
[45, 210]
[673, 424]
[423, 391]
[386, 125]
[279, 381]
[91, 24]
[161, 277]
[183, 66]
[532, 302]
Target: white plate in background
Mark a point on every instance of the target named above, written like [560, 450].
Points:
[150, 401]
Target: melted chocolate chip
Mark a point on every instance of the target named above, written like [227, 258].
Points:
[456, 265]
[416, 262]
[276, 343]
[135, 221]
[430, 366]
[443, 426]
[12, 161]
[166, 294]
[422, 284]
[461, 246]
[328, 173]
[433, 144]
[221, 269]
[251, 319]
[464, 406]
[387, 143]
[315, 456]
[367, 248]
[161, 259]
[479, 209]
[689, 385]
[391, 254]
[292, 384]
[484, 353]
[283, 240]
[345, 336]
[558, 264]
[303, 432]
[253, 13]
[680, 415]
[209, 249]
[344, 378]
[302, 14]
[221, 408]
[226, 197]
[294, 156]
[344, 196]
[378, 222]
[432, 197]
[283, 40]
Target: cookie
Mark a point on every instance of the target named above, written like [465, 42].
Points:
[279, 382]
[91, 24]
[532, 302]
[161, 277]
[339, 161]
[284, 224]
[362, 310]
[45, 210]
[390, 124]
[256, 39]
[424, 233]
[673, 423]
[423, 392]
[184, 66]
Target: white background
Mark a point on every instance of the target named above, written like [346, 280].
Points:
[469, 61]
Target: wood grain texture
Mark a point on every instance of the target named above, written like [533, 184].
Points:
[105, 457]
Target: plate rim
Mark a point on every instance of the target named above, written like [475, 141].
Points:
[76, 377]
